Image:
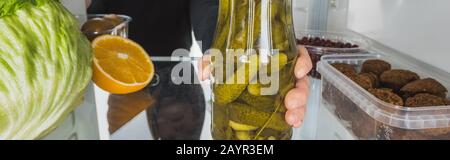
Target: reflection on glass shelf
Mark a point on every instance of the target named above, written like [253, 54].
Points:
[163, 110]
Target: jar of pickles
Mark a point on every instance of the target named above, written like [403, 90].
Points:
[253, 58]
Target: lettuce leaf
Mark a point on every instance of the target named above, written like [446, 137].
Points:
[8, 7]
[45, 67]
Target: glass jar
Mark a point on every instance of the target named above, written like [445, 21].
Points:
[106, 24]
[253, 58]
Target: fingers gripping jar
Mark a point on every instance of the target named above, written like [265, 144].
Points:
[253, 58]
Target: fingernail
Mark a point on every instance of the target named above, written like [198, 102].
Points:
[298, 124]
[301, 73]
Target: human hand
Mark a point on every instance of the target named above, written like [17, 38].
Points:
[296, 99]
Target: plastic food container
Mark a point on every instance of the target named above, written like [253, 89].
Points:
[317, 52]
[367, 117]
[119, 30]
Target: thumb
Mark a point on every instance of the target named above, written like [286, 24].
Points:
[204, 66]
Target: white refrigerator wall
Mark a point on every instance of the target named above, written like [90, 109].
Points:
[301, 16]
[337, 15]
[77, 7]
[417, 28]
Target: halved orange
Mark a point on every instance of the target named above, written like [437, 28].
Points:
[121, 66]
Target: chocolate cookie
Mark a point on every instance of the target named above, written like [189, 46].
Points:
[387, 96]
[427, 85]
[386, 89]
[363, 81]
[425, 100]
[374, 78]
[346, 69]
[396, 79]
[375, 66]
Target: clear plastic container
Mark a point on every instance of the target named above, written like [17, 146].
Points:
[316, 52]
[367, 117]
[120, 29]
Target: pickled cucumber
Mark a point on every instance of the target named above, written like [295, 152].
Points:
[240, 25]
[277, 100]
[284, 74]
[280, 13]
[257, 24]
[265, 103]
[279, 37]
[257, 89]
[275, 10]
[243, 135]
[287, 82]
[220, 122]
[245, 114]
[241, 127]
[231, 90]
[254, 89]
[227, 93]
[280, 58]
[284, 45]
[269, 132]
[229, 133]
[222, 28]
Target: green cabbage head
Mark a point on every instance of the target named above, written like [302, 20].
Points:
[45, 67]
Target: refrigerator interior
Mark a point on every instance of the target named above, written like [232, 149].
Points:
[415, 30]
